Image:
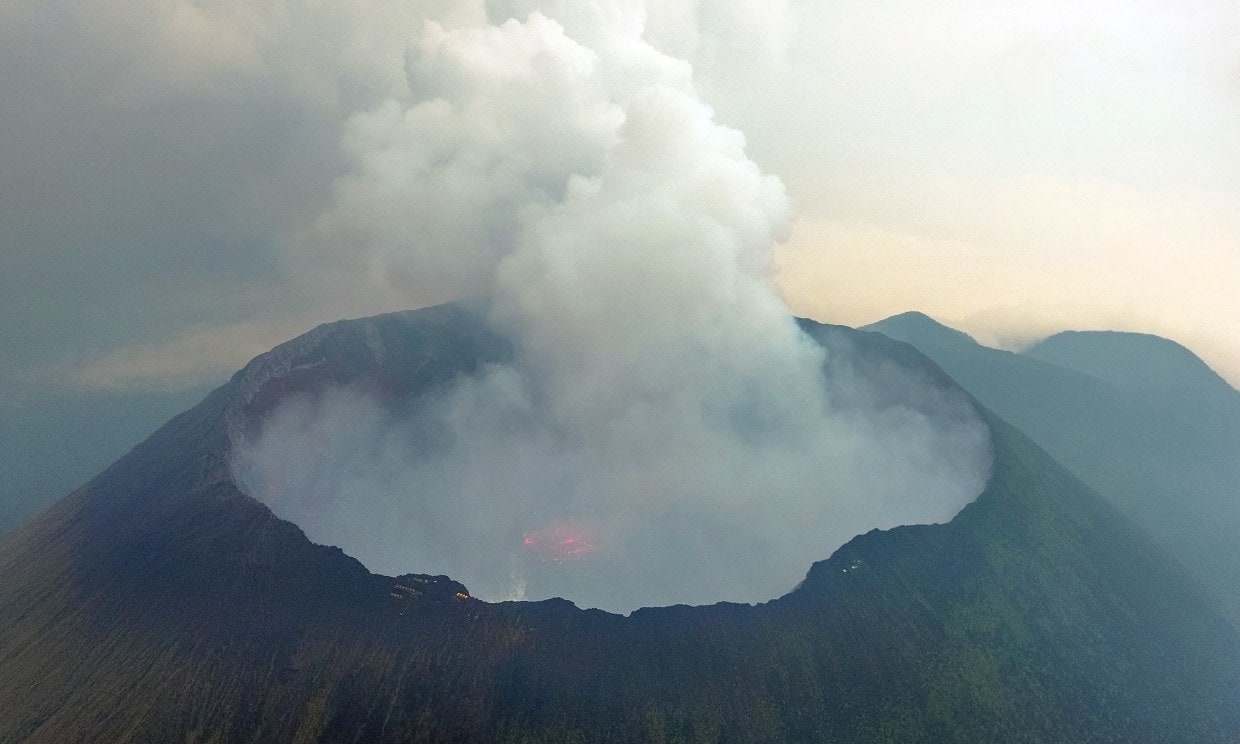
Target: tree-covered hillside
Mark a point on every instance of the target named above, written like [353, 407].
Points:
[1138, 418]
[161, 604]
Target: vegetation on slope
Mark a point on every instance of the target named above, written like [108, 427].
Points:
[1138, 418]
[161, 604]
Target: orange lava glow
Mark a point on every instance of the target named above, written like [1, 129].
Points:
[561, 541]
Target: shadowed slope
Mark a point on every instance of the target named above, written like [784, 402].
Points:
[161, 604]
[1137, 362]
[1139, 418]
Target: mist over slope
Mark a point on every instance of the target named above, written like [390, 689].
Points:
[159, 603]
[1139, 418]
[695, 507]
[1140, 363]
[660, 410]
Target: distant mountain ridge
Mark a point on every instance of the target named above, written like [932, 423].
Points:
[159, 603]
[1138, 362]
[1141, 419]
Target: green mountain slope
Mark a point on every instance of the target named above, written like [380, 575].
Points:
[1140, 419]
[159, 603]
[1137, 362]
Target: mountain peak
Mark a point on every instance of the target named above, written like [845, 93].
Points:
[1138, 362]
[916, 327]
[159, 602]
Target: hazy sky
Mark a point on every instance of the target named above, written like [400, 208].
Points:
[177, 176]
[1016, 169]
[661, 413]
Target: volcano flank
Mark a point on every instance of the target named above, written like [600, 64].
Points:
[159, 602]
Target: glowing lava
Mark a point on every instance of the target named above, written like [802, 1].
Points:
[560, 541]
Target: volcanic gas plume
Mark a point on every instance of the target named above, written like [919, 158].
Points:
[663, 432]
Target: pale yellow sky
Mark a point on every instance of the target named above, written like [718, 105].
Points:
[1024, 259]
[1012, 169]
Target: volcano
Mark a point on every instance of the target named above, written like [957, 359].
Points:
[1139, 418]
[159, 602]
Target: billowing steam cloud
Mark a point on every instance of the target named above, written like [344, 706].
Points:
[663, 433]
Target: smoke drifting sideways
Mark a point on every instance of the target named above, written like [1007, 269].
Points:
[664, 432]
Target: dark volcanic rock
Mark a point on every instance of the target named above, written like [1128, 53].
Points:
[159, 603]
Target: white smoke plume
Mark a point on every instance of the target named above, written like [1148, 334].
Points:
[664, 433]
